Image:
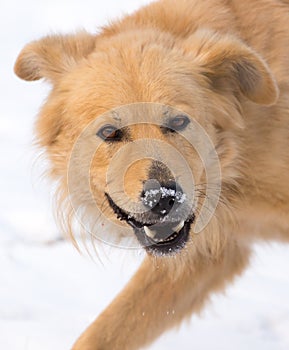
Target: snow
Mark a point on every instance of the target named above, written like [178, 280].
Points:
[48, 291]
[152, 196]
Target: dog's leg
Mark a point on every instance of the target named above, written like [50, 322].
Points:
[162, 292]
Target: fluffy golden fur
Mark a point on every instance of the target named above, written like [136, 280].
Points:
[224, 62]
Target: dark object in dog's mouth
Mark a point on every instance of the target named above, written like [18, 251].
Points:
[160, 238]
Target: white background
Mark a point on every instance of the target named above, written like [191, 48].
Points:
[48, 292]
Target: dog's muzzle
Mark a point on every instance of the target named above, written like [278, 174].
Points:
[164, 226]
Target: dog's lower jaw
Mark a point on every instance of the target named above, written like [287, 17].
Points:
[170, 245]
[165, 236]
[159, 296]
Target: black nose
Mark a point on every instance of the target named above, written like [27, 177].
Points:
[162, 198]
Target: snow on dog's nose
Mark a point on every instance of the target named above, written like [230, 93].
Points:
[162, 198]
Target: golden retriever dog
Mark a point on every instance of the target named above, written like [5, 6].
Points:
[169, 129]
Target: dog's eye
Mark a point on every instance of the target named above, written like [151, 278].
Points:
[178, 123]
[109, 133]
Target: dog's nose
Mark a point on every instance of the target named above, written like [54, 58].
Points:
[162, 198]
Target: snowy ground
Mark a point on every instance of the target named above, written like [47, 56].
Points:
[48, 292]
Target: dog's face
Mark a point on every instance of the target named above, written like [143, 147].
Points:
[140, 126]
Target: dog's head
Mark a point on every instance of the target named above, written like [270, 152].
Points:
[142, 125]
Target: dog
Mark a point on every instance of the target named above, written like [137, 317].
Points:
[170, 128]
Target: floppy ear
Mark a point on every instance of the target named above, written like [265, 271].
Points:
[53, 55]
[230, 65]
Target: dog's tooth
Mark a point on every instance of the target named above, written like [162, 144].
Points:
[179, 226]
[149, 232]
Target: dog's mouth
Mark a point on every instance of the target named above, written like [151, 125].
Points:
[162, 237]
